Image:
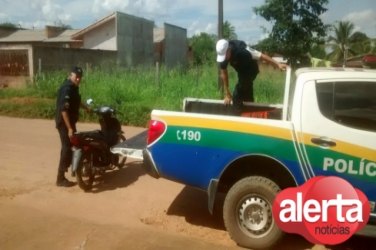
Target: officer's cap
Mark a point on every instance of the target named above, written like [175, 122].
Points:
[77, 70]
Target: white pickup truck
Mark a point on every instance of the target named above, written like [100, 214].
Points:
[326, 126]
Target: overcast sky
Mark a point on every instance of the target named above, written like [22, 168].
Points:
[194, 15]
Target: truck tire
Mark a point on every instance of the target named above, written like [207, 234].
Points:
[247, 213]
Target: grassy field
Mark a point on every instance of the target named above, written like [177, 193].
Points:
[134, 92]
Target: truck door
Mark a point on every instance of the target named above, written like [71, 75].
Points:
[338, 132]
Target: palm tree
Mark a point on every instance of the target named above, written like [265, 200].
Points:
[341, 41]
[345, 43]
[229, 31]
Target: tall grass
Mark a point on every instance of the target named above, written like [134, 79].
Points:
[133, 92]
[269, 85]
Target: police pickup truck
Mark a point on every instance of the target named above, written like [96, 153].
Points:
[325, 126]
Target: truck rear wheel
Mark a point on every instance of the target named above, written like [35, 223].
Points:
[247, 213]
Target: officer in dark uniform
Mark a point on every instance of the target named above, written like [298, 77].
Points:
[68, 103]
[244, 60]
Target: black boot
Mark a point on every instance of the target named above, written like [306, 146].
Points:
[61, 181]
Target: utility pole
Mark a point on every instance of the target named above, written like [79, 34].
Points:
[220, 19]
[220, 36]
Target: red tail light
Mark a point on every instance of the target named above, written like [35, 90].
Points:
[156, 129]
[74, 140]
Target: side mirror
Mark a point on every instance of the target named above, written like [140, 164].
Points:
[89, 101]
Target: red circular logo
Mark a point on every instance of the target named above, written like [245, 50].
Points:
[324, 210]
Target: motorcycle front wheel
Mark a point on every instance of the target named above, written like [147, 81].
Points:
[85, 172]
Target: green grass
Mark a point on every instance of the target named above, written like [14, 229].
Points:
[269, 85]
[133, 92]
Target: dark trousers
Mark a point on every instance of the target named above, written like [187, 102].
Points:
[66, 151]
[242, 93]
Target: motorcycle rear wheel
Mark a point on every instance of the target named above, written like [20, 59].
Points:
[85, 172]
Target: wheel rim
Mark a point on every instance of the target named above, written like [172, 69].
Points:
[86, 172]
[255, 216]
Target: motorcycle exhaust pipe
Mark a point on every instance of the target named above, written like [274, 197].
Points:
[76, 158]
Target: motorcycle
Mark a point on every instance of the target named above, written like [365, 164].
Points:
[92, 149]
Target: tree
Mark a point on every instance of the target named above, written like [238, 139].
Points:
[203, 46]
[265, 45]
[318, 50]
[340, 42]
[63, 26]
[296, 26]
[9, 26]
[360, 43]
[347, 43]
[229, 31]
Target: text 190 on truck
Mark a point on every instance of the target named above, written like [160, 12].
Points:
[326, 126]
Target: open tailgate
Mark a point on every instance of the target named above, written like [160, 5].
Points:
[132, 147]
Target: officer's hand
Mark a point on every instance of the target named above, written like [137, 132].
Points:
[88, 109]
[282, 66]
[70, 132]
[228, 99]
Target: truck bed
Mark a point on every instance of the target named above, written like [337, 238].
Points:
[134, 146]
[217, 107]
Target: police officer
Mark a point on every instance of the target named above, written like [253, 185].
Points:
[68, 103]
[244, 60]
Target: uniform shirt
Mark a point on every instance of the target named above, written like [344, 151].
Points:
[255, 53]
[69, 100]
[243, 60]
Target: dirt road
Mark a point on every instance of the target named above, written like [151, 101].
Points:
[127, 209]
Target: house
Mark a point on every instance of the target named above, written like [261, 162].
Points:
[170, 45]
[50, 36]
[118, 38]
[23, 53]
[362, 61]
[130, 36]
[15, 47]
[136, 40]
